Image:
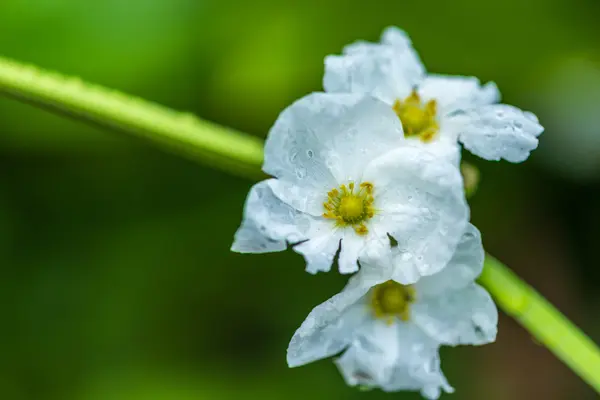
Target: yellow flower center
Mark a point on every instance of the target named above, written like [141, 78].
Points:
[350, 208]
[391, 300]
[418, 119]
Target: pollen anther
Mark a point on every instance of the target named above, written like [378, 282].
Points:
[391, 300]
[350, 207]
[418, 119]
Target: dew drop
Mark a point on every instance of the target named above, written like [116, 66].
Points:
[301, 172]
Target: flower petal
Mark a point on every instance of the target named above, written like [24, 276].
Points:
[454, 92]
[467, 316]
[386, 70]
[352, 246]
[421, 204]
[421, 368]
[371, 357]
[269, 224]
[444, 146]
[412, 364]
[306, 200]
[323, 139]
[330, 326]
[462, 270]
[319, 251]
[496, 131]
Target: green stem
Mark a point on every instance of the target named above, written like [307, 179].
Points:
[547, 325]
[211, 143]
[242, 154]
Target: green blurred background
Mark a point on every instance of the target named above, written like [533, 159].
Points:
[116, 278]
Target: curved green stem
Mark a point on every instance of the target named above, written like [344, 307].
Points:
[545, 323]
[242, 154]
[214, 144]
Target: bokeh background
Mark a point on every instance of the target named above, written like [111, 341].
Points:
[116, 278]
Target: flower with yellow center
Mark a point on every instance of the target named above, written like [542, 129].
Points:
[440, 111]
[345, 178]
[389, 333]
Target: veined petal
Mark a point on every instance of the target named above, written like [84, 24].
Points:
[444, 147]
[428, 378]
[386, 70]
[467, 316]
[269, 224]
[462, 270]
[372, 355]
[325, 139]
[421, 204]
[330, 327]
[412, 363]
[307, 200]
[319, 251]
[454, 92]
[496, 131]
[420, 369]
[352, 246]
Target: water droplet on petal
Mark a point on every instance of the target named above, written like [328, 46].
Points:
[301, 172]
[406, 256]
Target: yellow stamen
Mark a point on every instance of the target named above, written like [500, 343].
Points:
[418, 119]
[361, 229]
[391, 300]
[350, 208]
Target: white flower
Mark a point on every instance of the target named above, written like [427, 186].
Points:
[345, 176]
[392, 331]
[440, 110]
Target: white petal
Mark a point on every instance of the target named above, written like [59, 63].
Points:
[462, 270]
[444, 147]
[269, 224]
[371, 357]
[378, 259]
[323, 139]
[421, 205]
[428, 379]
[330, 326]
[454, 92]
[352, 246]
[496, 131]
[319, 251]
[386, 70]
[467, 316]
[393, 358]
[307, 200]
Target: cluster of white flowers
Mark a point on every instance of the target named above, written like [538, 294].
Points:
[366, 175]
